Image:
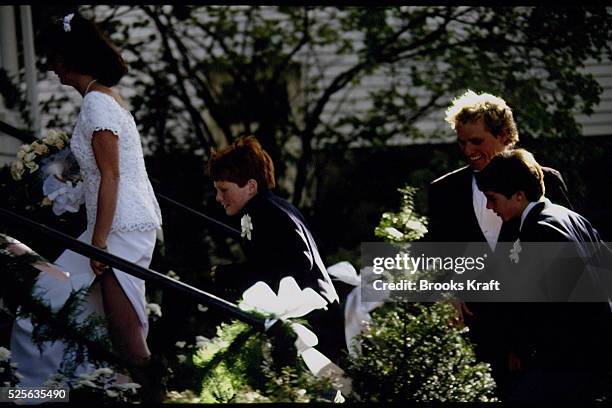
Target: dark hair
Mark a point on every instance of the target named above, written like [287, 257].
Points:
[83, 48]
[511, 171]
[242, 160]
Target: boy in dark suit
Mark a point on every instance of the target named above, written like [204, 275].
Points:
[457, 211]
[557, 350]
[277, 242]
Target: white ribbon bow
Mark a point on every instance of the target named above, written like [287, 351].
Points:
[356, 312]
[292, 302]
[64, 195]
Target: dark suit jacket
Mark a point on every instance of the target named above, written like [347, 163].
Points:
[451, 211]
[555, 334]
[452, 219]
[281, 245]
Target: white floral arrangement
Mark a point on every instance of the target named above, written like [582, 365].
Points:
[101, 382]
[9, 377]
[62, 185]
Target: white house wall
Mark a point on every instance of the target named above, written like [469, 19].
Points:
[326, 60]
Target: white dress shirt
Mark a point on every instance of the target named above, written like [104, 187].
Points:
[490, 224]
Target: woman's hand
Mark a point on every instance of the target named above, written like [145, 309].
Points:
[98, 267]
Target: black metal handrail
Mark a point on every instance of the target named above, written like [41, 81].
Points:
[226, 228]
[24, 135]
[133, 269]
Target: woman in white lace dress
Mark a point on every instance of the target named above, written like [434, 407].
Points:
[122, 212]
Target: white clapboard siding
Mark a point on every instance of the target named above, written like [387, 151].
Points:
[324, 62]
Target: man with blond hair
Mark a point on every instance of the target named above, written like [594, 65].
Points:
[485, 126]
[458, 211]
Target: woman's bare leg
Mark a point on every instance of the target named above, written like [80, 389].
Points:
[124, 326]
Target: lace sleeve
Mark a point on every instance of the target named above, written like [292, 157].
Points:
[100, 113]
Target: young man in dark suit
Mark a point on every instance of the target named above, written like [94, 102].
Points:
[485, 126]
[558, 350]
[457, 208]
[277, 242]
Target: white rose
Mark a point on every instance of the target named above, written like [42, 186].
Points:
[32, 166]
[29, 157]
[56, 138]
[40, 149]
[17, 170]
[60, 144]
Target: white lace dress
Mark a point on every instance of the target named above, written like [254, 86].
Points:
[132, 236]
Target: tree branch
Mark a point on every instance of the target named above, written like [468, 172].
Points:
[205, 139]
[303, 41]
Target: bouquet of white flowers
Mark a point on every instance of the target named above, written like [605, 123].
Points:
[62, 185]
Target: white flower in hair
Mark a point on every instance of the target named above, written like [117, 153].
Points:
[66, 20]
[246, 226]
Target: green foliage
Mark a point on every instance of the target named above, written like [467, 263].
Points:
[404, 225]
[8, 372]
[99, 385]
[412, 352]
[238, 366]
[83, 337]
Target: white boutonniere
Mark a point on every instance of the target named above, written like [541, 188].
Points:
[66, 21]
[515, 251]
[246, 226]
